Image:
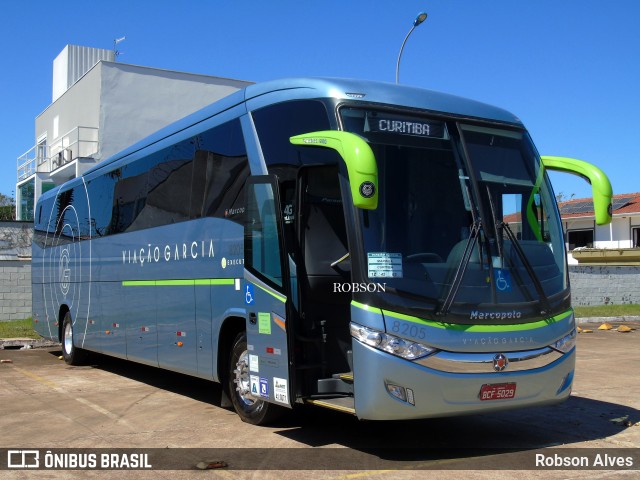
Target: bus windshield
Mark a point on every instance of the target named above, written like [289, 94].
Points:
[466, 220]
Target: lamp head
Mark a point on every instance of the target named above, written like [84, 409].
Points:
[422, 16]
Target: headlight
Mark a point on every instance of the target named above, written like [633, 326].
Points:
[390, 343]
[566, 343]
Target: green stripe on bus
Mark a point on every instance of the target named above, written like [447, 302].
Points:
[467, 328]
[514, 327]
[178, 283]
[282, 298]
[362, 306]
[139, 283]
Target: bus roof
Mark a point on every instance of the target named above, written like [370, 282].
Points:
[382, 93]
[370, 92]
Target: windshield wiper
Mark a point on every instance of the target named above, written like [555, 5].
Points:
[462, 268]
[500, 227]
[544, 300]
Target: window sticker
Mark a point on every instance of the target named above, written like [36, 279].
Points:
[384, 265]
[280, 390]
[264, 323]
[503, 279]
[264, 387]
[254, 364]
[254, 380]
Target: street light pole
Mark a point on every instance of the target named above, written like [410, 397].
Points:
[419, 19]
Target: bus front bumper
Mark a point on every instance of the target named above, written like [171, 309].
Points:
[387, 387]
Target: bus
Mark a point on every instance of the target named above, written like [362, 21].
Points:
[381, 250]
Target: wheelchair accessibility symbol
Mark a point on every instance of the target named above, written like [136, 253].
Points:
[248, 295]
[503, 280]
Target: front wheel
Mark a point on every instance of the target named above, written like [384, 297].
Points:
[72, 355]
[250, 408]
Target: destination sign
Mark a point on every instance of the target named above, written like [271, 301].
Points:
[401, 125]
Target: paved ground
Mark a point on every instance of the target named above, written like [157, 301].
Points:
[46, 404]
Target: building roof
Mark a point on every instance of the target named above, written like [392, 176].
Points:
[624, 203]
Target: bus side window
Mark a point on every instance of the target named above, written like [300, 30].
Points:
[220, 171]
[262, 244]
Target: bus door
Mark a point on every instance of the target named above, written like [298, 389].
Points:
[267, 293]
[324, 280]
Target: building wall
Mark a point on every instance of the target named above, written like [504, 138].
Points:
[78, 106]
[15, 290]
[15, 270]
[72, 63]
[603, 285]
[138, 101]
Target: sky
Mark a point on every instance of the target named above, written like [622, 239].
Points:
[569, 69]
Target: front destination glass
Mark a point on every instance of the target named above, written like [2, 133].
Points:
[466, 227]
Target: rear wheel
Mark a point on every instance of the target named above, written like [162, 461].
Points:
[250, 408]
[71, 354]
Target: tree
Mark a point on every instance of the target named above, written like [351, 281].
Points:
[7, 207]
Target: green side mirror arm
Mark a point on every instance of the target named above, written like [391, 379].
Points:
[357, 155]
[600, 184]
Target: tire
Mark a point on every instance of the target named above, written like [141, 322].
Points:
[72, 355]
[250, 409]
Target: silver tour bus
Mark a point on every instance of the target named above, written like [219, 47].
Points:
[382, 250]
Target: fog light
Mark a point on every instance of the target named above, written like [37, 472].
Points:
[397, 391]
[566, 343]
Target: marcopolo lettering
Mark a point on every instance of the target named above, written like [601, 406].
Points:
[478, 315]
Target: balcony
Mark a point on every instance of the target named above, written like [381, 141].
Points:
[80, 142]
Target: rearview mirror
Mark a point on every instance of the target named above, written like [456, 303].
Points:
[600, 184]
[357, 155]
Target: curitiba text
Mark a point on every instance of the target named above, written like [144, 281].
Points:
[168, 253]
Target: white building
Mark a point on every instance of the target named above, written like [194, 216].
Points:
[615, 242]
[100, 107]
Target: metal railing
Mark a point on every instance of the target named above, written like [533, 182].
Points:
[79, 142]
[27, 163]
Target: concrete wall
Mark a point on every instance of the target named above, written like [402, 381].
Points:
[15, 270]
[606, 284]
[15, 289]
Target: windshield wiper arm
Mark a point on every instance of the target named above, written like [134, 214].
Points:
[462, 268]
[544, 300]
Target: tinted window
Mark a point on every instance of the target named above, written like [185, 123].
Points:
[130, 195]
[276, 123]
[168, 187]
[201, 176]
[220, 171]
[262, 245]
[101, 200]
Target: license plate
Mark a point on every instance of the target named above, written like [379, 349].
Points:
[497, 391]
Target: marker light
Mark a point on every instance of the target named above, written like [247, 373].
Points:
[566, 343]
[390, 343]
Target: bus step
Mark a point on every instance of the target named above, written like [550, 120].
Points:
[342, 404]
[335, 385]
[347, 377]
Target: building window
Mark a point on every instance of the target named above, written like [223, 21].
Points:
[41, 153]
[26, 198]
[580, 238]
[635, 235]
